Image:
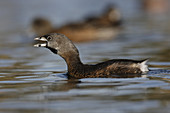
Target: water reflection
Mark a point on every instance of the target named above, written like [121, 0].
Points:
[65, 95]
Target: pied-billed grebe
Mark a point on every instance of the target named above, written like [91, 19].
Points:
[104, 27]
[77, 32]
[41, 26]
[110, 17]
[61, 45]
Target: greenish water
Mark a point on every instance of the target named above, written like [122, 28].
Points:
[32, 80]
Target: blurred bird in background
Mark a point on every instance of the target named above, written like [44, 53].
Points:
[103, 27]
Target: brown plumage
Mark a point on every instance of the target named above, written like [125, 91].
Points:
[61, 45]
[110, 17]
[104, 27]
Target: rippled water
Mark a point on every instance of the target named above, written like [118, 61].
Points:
[33, 80]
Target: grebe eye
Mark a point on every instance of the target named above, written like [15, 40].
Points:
[49, 38]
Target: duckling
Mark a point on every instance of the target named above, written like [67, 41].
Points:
[63, 46]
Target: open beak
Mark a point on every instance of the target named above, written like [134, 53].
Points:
[42, 42]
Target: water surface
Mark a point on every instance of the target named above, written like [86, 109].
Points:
[32, 79]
